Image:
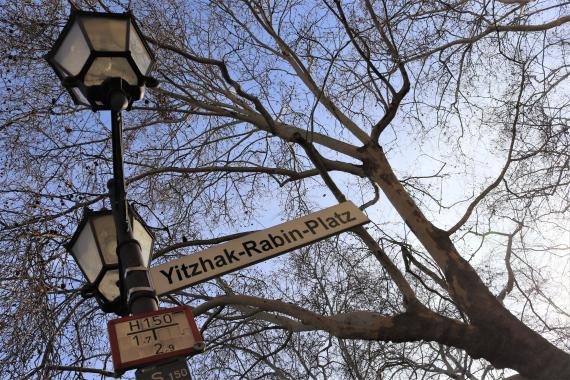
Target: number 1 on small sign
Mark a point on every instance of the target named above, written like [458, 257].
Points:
[145, 340]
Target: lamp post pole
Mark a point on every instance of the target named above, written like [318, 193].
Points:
[103, 61]
[136, 288]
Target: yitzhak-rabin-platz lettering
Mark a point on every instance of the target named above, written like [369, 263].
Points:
[251, 247]
[255, 247]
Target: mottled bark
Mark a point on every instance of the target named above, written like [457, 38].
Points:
[502, 339]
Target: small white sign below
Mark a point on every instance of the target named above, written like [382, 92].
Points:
[154, 336]
[258, 246]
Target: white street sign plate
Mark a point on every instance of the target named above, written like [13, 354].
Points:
[154, 336]
[258, 246]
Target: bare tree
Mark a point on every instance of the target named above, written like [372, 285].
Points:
[447, 121]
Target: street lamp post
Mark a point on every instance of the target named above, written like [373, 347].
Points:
[102, 60]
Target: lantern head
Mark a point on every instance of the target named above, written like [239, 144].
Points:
[98, 55]
[94, 248]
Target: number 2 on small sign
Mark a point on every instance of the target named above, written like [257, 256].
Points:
[161, 349]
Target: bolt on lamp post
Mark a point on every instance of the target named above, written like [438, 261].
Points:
[102, 60]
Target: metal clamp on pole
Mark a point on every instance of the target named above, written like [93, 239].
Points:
[138, 292]
[134, 269]
[135, 292]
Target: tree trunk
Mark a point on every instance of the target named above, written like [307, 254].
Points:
[504, 340]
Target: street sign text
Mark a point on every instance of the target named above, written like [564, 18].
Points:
[255, 247]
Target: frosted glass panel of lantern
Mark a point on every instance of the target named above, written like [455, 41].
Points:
[108, 286]
[73, 52]
[138, 51]
[110, 67]
[79, 95]
[86, 253]
[107, 237]
[106, 34]
[144, 239]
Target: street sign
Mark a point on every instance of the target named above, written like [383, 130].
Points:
[154, 336]
[255, 247]
[175, 370]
